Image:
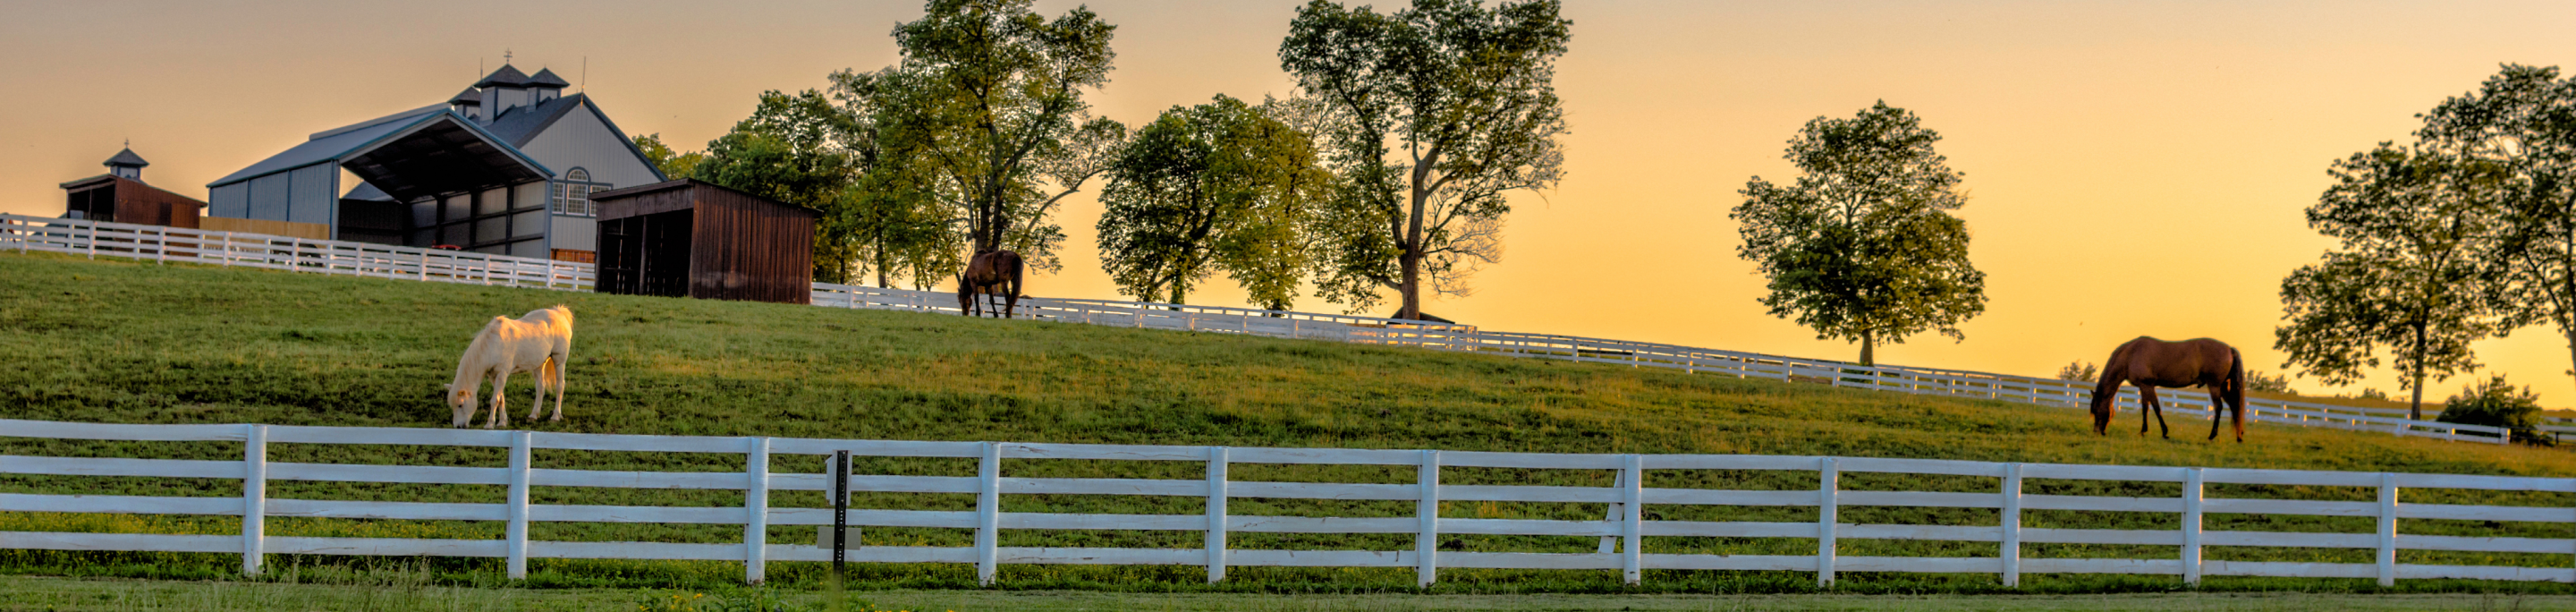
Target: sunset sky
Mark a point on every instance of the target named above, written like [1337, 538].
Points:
[2135, 168]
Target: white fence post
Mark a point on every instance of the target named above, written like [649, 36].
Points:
[517, 532]
[988, 514]
[1426, 543]
[2012, 525]
[1631, 561]
[2191, 525]
[2387, 529]
[1617, 511]
[1217, 491]
[755, 505]
[254, 523]
[1827, 475]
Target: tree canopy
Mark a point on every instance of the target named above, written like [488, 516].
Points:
[1218, 186]
[2413, 274]
[793, 149]
[1432, 114]
[1863, 247]
[985, 111]
[2522, 121]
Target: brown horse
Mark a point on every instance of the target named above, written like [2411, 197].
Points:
[2150, 363]
[989, 272]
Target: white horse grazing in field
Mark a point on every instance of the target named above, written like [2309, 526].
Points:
[539, 343]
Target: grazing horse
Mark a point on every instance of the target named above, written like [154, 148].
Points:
[2150, 363]
[989, 272]
[539, 343]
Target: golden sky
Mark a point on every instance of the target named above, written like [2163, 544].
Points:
[2135, 168]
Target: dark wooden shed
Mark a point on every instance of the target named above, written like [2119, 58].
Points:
[692, 238]
[120, 196]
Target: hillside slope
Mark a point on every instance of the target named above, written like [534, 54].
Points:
[137, 343]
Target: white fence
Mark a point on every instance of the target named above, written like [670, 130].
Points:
[1624, 533]
[177, 244]
[158, 243]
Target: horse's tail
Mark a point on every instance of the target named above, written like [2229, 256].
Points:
[2236, 389]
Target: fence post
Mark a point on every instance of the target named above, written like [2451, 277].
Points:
[517, 532]
[254, 525]
[2191, 525]
[424, 265]
[1617, 511]
[2387, 529]
[161, 246]
[1633, 527]
[1217, 492]
[1426, 543]
[1827, 476]
[93, 241]
[2012, 525]
[755, 503]
[988, 514]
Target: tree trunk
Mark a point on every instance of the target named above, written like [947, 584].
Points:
[1868, 348]
[2416, 411]
[1411, 287]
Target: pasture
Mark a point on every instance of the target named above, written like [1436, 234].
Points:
[123, 342]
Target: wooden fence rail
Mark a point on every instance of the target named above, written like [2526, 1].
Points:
[157, 243]
[1627, 531]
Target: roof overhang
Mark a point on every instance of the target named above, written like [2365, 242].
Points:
[442, 153]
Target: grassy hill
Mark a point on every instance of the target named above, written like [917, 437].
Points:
[110, 341]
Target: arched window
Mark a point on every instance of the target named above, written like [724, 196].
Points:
[572, 194]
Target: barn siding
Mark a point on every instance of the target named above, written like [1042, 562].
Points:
[739, 247]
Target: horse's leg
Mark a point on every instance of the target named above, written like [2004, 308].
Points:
[2147, 396]
[560, 362]
[500, 399]
[541, 375]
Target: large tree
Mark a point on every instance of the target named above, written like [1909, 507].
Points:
[1436, 111]
[985, 110]
[1218, 186]
[791, 149]
[1863, 247]
[2523, 120]
[2414, 273]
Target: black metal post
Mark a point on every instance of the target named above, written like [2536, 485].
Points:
[840, 508]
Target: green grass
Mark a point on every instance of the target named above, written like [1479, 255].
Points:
[121, 342]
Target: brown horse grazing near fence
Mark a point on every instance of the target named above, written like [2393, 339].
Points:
[989, 272]
[2150, 363]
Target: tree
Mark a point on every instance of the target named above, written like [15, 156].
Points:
[985, 108]
[791, 150]
[2496, 403]
[2258, 380]
[2412, 273]
[673, 164]
[1218, 186]
[1863, 247]
[2080, 371]
[1435, 112]
[2523, 120]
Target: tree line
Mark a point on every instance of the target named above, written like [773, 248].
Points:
[1383, 173]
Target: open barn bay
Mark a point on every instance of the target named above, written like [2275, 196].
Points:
[121, 342]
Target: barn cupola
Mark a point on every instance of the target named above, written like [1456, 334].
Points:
[505, 89]
[127, 165]
[544, 85]
[469, 104]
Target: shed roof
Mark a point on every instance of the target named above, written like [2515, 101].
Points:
[686, 183]
[126, 157]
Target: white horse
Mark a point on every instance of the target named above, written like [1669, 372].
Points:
[539, 343]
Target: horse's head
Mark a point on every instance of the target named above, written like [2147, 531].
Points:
[461, 403]
[965, 293]
[2103, 405]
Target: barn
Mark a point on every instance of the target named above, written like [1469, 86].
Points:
[696, 239]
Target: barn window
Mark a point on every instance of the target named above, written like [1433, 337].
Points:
[572, 194]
